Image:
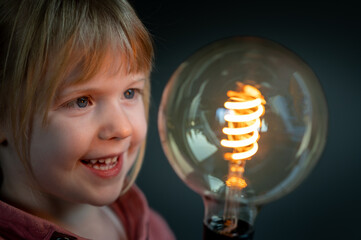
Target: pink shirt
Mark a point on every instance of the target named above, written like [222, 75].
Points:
[140, 222]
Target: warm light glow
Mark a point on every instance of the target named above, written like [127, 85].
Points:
[241, 142]
[236, 169]
[236, 182]
[242, 155]
[245, 109]
[242, 105]
[236, 117]
[243, 130]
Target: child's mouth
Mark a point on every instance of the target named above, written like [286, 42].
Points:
[101, 164]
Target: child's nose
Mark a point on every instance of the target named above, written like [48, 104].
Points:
[115, 124]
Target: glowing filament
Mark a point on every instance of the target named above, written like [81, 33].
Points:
[242, 105]
[243, 130]
[242, 155]
[245, 107]
[241, 142]
[236, 117]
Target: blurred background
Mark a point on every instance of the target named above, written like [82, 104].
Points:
[327, 36]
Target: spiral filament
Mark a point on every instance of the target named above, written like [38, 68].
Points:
[245, 107]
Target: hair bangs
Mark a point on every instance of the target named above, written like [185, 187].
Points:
[110, 40]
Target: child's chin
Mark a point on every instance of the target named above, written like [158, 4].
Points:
[103, 199]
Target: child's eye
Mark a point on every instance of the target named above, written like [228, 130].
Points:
[130, 93]
[81, 102]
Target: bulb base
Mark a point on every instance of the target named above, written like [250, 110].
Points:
[214, 227]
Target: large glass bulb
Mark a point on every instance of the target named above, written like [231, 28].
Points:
[242, 122]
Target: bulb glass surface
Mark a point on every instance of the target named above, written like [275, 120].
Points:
[194, 119]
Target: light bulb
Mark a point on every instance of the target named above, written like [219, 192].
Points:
[242, 122]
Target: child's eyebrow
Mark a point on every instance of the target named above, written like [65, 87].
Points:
[140, 79]
[63, 92]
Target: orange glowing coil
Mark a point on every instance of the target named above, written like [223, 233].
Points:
[245, 109]
[243, 118]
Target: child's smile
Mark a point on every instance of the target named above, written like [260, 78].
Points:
[105, 167]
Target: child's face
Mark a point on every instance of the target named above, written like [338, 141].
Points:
[94, 133]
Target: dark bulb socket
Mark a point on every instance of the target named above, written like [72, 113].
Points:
[4, 143]
[213, 231]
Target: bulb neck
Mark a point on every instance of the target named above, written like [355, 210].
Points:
[217, 224]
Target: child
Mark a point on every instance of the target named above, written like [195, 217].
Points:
[74, 90]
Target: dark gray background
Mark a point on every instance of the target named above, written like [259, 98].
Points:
[327, 205]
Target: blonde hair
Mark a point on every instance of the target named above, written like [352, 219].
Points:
[43, 41]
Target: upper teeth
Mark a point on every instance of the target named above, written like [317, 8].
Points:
[104, 160]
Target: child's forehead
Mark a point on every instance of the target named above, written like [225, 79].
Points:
[108, 68]
[84, 63]
[83, 69]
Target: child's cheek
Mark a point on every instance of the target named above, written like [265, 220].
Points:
[59, 145]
